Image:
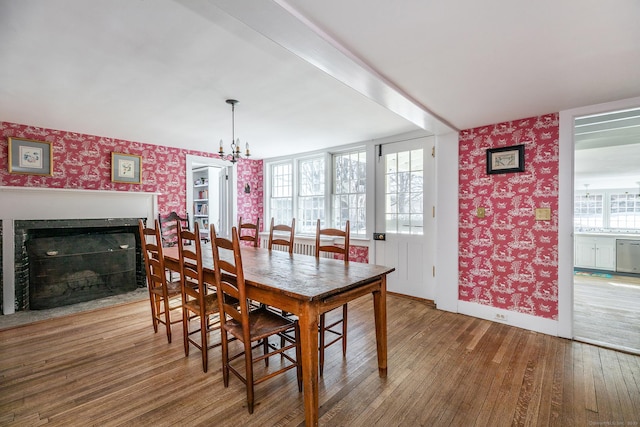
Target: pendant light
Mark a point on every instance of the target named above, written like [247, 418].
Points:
[235, 154]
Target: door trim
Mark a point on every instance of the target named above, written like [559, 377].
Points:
[565, 206]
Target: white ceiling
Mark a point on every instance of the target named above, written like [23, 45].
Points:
[308, 74]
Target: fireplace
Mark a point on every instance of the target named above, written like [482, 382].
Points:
[87, 226]
[71, 261]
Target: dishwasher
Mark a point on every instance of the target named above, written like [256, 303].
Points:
[628, 256]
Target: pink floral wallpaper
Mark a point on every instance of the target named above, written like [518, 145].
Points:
[84, 162]
[251, 204]
[508, 259]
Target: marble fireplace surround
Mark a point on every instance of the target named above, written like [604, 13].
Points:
[29, 203]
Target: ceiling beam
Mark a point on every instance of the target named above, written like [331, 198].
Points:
[279, 22]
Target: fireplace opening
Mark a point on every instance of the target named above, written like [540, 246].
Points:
[67, 269]
[62, 262]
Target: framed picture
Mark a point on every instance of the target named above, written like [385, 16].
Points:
[31, 157]
[505, 159]
[126, 168]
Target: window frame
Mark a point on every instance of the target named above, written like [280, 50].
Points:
[607, 207]
[269, 193]
[328, 195]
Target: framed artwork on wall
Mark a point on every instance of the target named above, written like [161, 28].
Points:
[505, 159]
[27, 156]
[126, 168]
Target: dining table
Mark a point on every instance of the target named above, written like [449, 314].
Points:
[307, 287]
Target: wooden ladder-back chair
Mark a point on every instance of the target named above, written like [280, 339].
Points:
[341, 249]
[198, 301]
[161, 290]
[246, 325]
[169, 227]
[280, 239]
[253, 232]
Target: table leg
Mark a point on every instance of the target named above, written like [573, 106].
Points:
[308, 322]
[380, 312]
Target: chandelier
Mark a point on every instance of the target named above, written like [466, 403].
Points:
[235, 143]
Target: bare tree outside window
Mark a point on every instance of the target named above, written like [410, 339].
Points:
[349, 192]
[281, 199]
[404, 186]
[310, 194]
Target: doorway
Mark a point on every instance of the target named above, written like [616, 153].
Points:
[220, 197]
[606, 217]
[404, 204]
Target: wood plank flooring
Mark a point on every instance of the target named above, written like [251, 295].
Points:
[108, 368]
[607, 311]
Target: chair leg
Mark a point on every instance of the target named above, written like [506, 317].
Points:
[248, 361]
[154, 317]
[344, 330]
[265, 349]
[321, 359]
[185, 330]
[225, 356]
[167, 317]
[298, 357]
[204, 321]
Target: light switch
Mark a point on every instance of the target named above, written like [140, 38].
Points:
[480, 212]
[543, 214]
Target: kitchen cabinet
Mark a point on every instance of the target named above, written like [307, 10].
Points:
[595, 252]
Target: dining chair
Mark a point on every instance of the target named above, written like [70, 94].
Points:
[253, 231]
[198, 300]
[331, 328]
[161, 290]
[169, 227]
[281, 239]
[247, 325]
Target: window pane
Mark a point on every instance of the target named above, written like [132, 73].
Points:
[588, 211]
[404, 192]
[417, 160]
[624, 211]
[311, 176]
[281, 200]
[349, 174]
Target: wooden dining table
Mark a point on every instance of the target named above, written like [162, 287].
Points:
[307, 287]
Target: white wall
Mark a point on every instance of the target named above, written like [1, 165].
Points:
[447, 222]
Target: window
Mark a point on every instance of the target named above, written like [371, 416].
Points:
[588, 211]
[404, 192]
[281, 193]
[624, 211]
[311, 198]
[349, 191]
[332, 189]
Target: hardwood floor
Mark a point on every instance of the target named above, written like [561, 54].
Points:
[607, 311]
[108, 368]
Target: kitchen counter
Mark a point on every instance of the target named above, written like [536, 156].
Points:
[632, 236]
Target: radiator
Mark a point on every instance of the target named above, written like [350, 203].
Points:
[301, 245]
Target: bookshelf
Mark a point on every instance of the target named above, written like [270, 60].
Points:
[205, 209]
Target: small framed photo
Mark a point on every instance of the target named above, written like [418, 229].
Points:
[505, 159]
[126, 168]
[28, 156]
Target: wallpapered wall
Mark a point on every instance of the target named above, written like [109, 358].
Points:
[251, 205]
[508, 259]
[84, 162]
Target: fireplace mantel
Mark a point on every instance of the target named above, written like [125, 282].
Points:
[31, 203]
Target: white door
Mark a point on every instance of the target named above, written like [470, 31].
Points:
[405, 196]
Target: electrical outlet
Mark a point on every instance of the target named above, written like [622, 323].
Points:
[501, 317]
